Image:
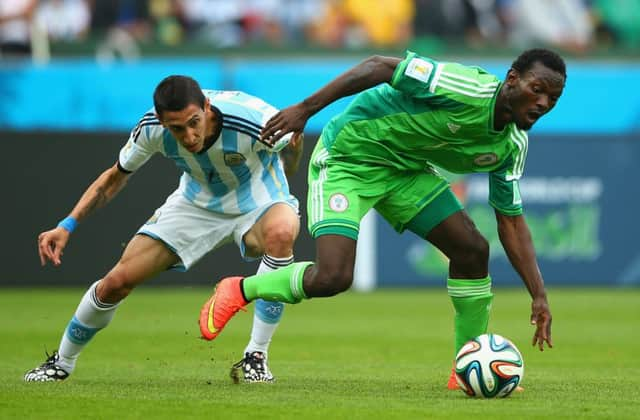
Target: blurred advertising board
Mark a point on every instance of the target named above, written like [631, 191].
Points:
[580, 204]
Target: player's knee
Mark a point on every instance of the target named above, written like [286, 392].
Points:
[481, 249]
[115, 286]
[278, 239]
[473, 253]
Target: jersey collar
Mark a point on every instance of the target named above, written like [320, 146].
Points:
[492, 111]
[209, 141]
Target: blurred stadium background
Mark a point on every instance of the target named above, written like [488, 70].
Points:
[76, 75]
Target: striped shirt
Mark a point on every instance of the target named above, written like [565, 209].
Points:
[236, 175]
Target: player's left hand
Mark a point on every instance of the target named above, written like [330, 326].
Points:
[541, 318]
[290, 120]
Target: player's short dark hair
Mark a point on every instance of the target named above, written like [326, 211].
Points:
[543, 56]
[175, 93]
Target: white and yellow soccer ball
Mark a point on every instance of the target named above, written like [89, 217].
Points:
[489, 366]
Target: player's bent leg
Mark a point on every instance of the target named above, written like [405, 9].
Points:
[336, 259]
[274, 232]
[469, 285]
[459, 239]
[90, 317]
[233, 293]
[272, 236]
[331, 274]
[266, 318]
[142, 258]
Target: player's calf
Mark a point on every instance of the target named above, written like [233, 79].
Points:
[328, 281]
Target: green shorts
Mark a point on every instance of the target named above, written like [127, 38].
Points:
[341, 193]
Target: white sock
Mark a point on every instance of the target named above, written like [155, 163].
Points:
[91, 316]
[266, 314]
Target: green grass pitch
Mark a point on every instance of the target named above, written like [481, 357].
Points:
[383, 355]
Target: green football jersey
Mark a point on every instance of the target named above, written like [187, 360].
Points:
[433, 114]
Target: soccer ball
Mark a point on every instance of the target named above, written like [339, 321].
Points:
[489, 366]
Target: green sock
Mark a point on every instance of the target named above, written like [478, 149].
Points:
[282, 285]
[472, 302]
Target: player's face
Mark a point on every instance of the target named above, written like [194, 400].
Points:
[188, 126]
[535, 92]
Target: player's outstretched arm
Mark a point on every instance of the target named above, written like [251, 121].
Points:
[516, 239]
[52, 242]
[371, 72]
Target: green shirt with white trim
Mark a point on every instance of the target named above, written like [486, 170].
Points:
[433, 114]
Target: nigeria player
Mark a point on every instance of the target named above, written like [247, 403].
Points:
[233, 189]
[382, 152]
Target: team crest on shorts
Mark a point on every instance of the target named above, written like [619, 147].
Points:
[338, 202]
[233, 159]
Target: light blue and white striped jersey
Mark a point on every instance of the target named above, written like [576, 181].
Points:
[236, 175]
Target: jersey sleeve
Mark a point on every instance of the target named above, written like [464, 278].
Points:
[415, 75]
[269, 111]
[504, 187]
[504, 194]
[423, 77]
[142, 144]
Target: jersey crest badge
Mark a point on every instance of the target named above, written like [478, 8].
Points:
[153, 219]
[234, 159]
[338, 203]
[485, 159]
[419, 69]
[453, 127]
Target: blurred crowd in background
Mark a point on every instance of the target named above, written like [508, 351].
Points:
[574, 26]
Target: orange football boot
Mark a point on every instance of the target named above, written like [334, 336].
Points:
[453, 383]
[227, 299]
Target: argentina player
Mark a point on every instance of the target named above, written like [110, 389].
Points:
[233, 188]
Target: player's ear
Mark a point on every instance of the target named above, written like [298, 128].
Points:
[512, 77]
[159, 118]
[207, 103]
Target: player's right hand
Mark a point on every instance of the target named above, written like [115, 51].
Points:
[289, 120]
[50, 245]
[541, 318]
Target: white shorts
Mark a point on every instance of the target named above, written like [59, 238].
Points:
[191, 232]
